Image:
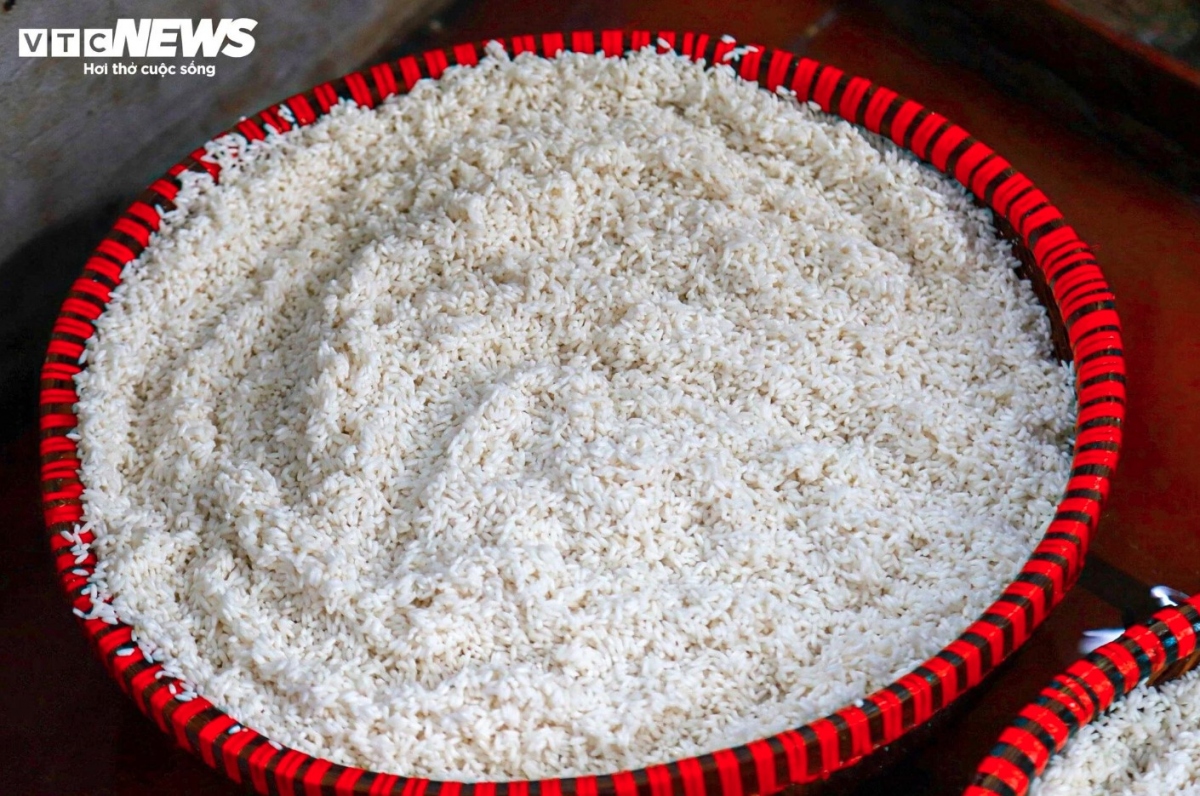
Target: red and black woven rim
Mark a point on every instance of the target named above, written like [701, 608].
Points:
[802, 755]
[1160, 649]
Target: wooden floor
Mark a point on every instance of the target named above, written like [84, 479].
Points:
[68, 730]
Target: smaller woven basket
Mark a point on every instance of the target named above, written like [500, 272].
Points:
[1162, 649]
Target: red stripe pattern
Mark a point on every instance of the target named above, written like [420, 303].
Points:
[1162, 648]
[806, 754]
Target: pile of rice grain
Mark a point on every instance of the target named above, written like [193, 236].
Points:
[562, 417]
[1147, 745]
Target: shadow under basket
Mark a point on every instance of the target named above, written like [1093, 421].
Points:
[1160, 650]
[856, 740]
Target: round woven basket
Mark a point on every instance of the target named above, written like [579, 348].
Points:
[1162, 649]
[1060, 265]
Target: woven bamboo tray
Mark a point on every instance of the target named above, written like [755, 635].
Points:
[1162, 649]
[1064, 273]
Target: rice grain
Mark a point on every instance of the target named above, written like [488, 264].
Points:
[562, 417]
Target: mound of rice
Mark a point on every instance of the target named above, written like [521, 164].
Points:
[1148, 744]
[563, 417]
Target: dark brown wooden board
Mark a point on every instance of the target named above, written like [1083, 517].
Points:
[1094, 77]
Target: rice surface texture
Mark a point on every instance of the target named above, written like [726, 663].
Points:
[563, 417]
[1147, 745]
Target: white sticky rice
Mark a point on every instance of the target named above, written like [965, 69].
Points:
[563, 417]
[1147, 745]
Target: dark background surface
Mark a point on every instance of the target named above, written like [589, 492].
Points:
[67, 729]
